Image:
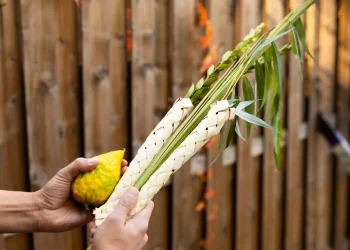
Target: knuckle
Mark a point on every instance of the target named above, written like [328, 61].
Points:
[127, 204]
[143, 228]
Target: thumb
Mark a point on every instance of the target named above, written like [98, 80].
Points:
[126, 203]
[78, 166]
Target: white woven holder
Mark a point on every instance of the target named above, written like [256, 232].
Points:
[156, 139]
[211, 125]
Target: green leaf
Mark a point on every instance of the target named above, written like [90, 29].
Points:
[200, 83]
[243, 105]
[221, 144]
[277, 67]
[277, 138]
[190, 91]
[295, 44]
[238, 132]
[268, 42]
[210, 70]
[248, 96]
[231, 132]
[259, 76]
[252, 119]
[210, 80]
[227, 55]
[222, 66]
[298, 24]
[270, 81]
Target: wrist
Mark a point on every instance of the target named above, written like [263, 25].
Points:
[18, 211]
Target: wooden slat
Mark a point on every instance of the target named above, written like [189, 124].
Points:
[2, 243]
[185, 60]
[158, 232]
[104, 73]
[342, 106]
[219, 218]
[272, 179]
[16, 242]
[12, 125]
[312, 39]
[326, 75]
[294, 174]
[247, 212]
[149, 96]
[50, 61]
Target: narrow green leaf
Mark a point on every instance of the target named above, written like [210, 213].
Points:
[252, 119]
[295, 44]
[298, 24]
[277, 67]
[210, 70]
[210, 80]
[200, 83]
[277, 138]
[231, 132]
[222, 145]
[238, 132]
[248, 96]
[268, 41]
[227, 55]
[260, 82]
[190, 91]
[243, 105]
[270, 82]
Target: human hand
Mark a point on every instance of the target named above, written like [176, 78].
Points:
[116, 232]
[57, 212]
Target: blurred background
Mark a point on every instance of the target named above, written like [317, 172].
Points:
[80, 78]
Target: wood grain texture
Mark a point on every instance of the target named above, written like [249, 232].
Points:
[342, 107]
[13, 173]
[247, 211]
[219, 219]
[104, 75]
[274, 11]
[149, 96]
[326, 75]
[16, 242]
[52, 103]
[312, 39]
[294, 174]
[185, 60]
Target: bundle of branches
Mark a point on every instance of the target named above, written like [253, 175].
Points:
[210, 107]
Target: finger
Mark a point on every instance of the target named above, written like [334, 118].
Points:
[145, 214]
[145, 239]
[124, 163]
[124, 170]
[78, 166]
[126, 204]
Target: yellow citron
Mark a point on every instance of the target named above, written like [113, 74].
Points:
[94, 187]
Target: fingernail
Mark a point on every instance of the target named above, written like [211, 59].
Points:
[93, 161]
[132, 192]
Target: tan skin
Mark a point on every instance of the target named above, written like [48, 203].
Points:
[51, 209]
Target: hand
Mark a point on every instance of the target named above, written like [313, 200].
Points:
[57, 211]
[91, 226]
[116, 232]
